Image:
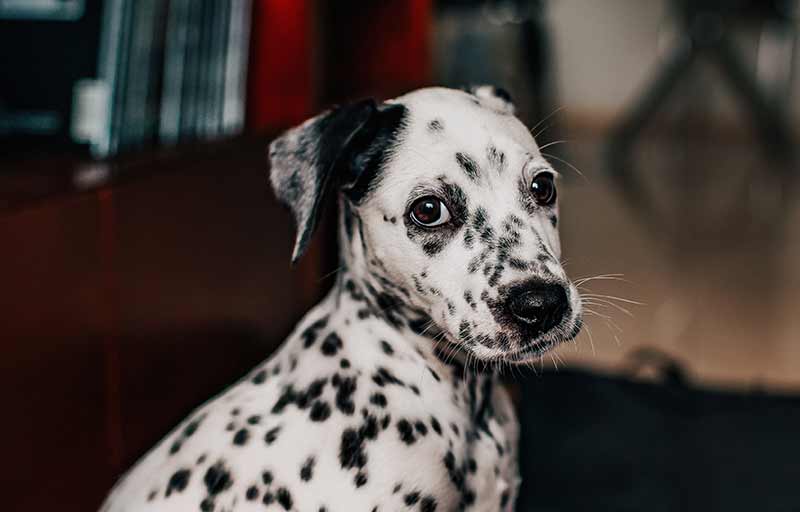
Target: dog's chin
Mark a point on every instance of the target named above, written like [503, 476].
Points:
[521, 351]
[531, 350]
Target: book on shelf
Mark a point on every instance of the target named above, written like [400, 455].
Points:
[144, 73]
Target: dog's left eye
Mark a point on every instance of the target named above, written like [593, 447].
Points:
[429, 212]
[543, 189]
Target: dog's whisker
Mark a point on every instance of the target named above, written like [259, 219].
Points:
[608, 304]
[543, 120]
[552, 143]
[591, 339]
[332, 272]
[612, 297]
[593, 312]
[601, 277]
[568, 164]
[609, 322]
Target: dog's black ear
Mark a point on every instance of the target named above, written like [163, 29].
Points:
[497, 97]
[343, 146]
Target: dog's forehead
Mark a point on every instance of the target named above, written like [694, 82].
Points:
[440, 116]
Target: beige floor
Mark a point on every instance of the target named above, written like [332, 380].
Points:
[718, 276]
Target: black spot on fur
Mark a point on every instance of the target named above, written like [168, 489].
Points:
[360, 479]
[496, 158]
[344, 395]
[411, 498]
[437, 427]
[369, 429]
[307, 471]
[553, 220]
[178, 481]
[241, 437]
[469, 238]
[251, 493]
[284, 497]
[406, 432]
[433, 246]
[479, 219]
[266, 477]
[217, 479]
[518, 264]
[288, 396]
[436, 125]
[468, 165]
[378, 399]
[272, 435]
[351, 450]
[314, 391]
[311, 332]
[191, 427]
[470, 300]
[259, 377]
[387, 349]
[384, 377]
[464, 332]
[332, 344]
[320, 411]
[428, 504]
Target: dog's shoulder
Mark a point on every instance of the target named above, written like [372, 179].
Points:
[346, 416]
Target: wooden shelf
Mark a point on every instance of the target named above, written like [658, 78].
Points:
[127, 303]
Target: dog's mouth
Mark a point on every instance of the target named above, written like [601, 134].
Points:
[516, 349]
[534, 317]
[537, 347]
[500, 337]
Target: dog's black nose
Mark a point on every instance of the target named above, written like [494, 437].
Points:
[538, 306]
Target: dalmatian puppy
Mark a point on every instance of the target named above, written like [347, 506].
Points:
[386, 396]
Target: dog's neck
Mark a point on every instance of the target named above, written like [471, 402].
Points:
[473, 381]
[361, 280]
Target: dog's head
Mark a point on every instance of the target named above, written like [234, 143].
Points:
[449, 211]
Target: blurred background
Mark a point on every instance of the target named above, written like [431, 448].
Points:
[144, 264]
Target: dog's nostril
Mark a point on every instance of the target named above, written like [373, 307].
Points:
[539, 305]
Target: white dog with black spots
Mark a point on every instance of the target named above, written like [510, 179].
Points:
[386, 397]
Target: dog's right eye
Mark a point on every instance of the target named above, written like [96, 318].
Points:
[429, 212]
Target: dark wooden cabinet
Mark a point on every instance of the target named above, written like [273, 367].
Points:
[123, 307]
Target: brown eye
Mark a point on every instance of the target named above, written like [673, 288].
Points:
[543, 189]
[429, 212]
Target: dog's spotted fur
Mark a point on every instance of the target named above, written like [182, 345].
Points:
[369, 405]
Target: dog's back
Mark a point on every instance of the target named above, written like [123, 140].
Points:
[345, 417]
